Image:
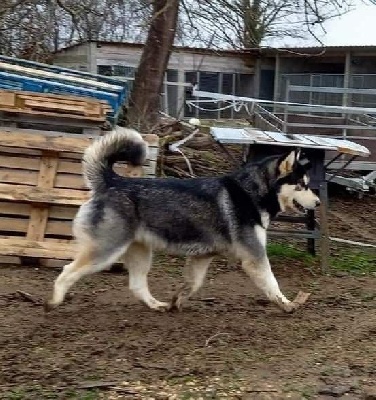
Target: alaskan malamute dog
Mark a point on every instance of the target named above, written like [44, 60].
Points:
[200, 217]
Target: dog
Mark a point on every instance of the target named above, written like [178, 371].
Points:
[128, 218]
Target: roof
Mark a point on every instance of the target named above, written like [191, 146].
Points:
[261, 51]
[199, 50]
[310, 50]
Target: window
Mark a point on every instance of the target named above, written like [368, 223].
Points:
[119, 70]
[105, 70]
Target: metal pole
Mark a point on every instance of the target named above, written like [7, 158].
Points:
[324, 227]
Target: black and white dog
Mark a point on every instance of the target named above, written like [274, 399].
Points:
[128, 218]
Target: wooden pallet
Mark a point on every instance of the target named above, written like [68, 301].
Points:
[53, 105]
[41, 188]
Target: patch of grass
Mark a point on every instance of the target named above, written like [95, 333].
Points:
[16, 394]
[25, 393]
[306, 392]
[38, 392]
[351, 260]
[287, 251]
[354, 262]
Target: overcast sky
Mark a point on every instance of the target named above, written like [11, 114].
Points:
[358, 27]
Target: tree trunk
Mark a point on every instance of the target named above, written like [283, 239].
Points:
[144, 101]
[252, 23]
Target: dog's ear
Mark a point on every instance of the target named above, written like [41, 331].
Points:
[286, 163]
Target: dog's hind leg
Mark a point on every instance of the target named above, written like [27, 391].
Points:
[256, 264]
[90, 259]
[138, 260]
[194, 275]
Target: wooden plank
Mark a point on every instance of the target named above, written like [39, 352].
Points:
[70, 166]
[8, 224]
[9, 260]
[10, 137]
[17, 209]
[62, 108]
[9, 162]
[51, 114]
[18, 175]
[67, 181]
[43, 196]
[62, 99]
[72, 180]
[62, 212]
[29, 248]
[7, 98]
[46, 179]
[11, 151]
[59, 228]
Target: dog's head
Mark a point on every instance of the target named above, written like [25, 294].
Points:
[291, 181]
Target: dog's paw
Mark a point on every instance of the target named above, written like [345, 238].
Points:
[49, 306]
[292, 306]
[160, 306]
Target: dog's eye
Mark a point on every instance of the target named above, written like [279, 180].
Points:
[298, 187]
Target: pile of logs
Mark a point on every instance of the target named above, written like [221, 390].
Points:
[206, 157]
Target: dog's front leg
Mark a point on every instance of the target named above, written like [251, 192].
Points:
[263, 277]
[256, 264]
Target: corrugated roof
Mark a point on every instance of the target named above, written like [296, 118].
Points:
[310, 50]
[266, 51]
[140, 45]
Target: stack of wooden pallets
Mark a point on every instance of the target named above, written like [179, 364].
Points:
[53, 105]
[41, 188]
[52, 109]
[28, 76]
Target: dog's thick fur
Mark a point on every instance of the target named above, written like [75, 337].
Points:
[198, 217]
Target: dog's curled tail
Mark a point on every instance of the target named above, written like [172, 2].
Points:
[121, 144]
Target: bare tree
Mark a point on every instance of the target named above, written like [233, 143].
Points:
[145, 96]
[35, 28]
[248, 23]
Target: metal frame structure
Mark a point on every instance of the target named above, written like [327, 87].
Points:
[260, 143]
[274, 116]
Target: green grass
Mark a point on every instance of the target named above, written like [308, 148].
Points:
[351, 260]
[354, 262]
[287, 251]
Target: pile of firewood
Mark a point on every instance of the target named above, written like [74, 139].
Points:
[200, 155]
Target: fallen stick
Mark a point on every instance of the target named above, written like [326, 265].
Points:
[96, 384]
[28, 297]
[214, 336]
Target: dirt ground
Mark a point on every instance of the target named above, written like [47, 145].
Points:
[228, 343]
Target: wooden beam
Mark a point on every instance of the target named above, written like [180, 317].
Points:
[43, 196]
[29, 248]
[39, 213]
[10, 137]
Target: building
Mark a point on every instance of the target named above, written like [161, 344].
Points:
[264, 73]
[332, 67]
[229, 72]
